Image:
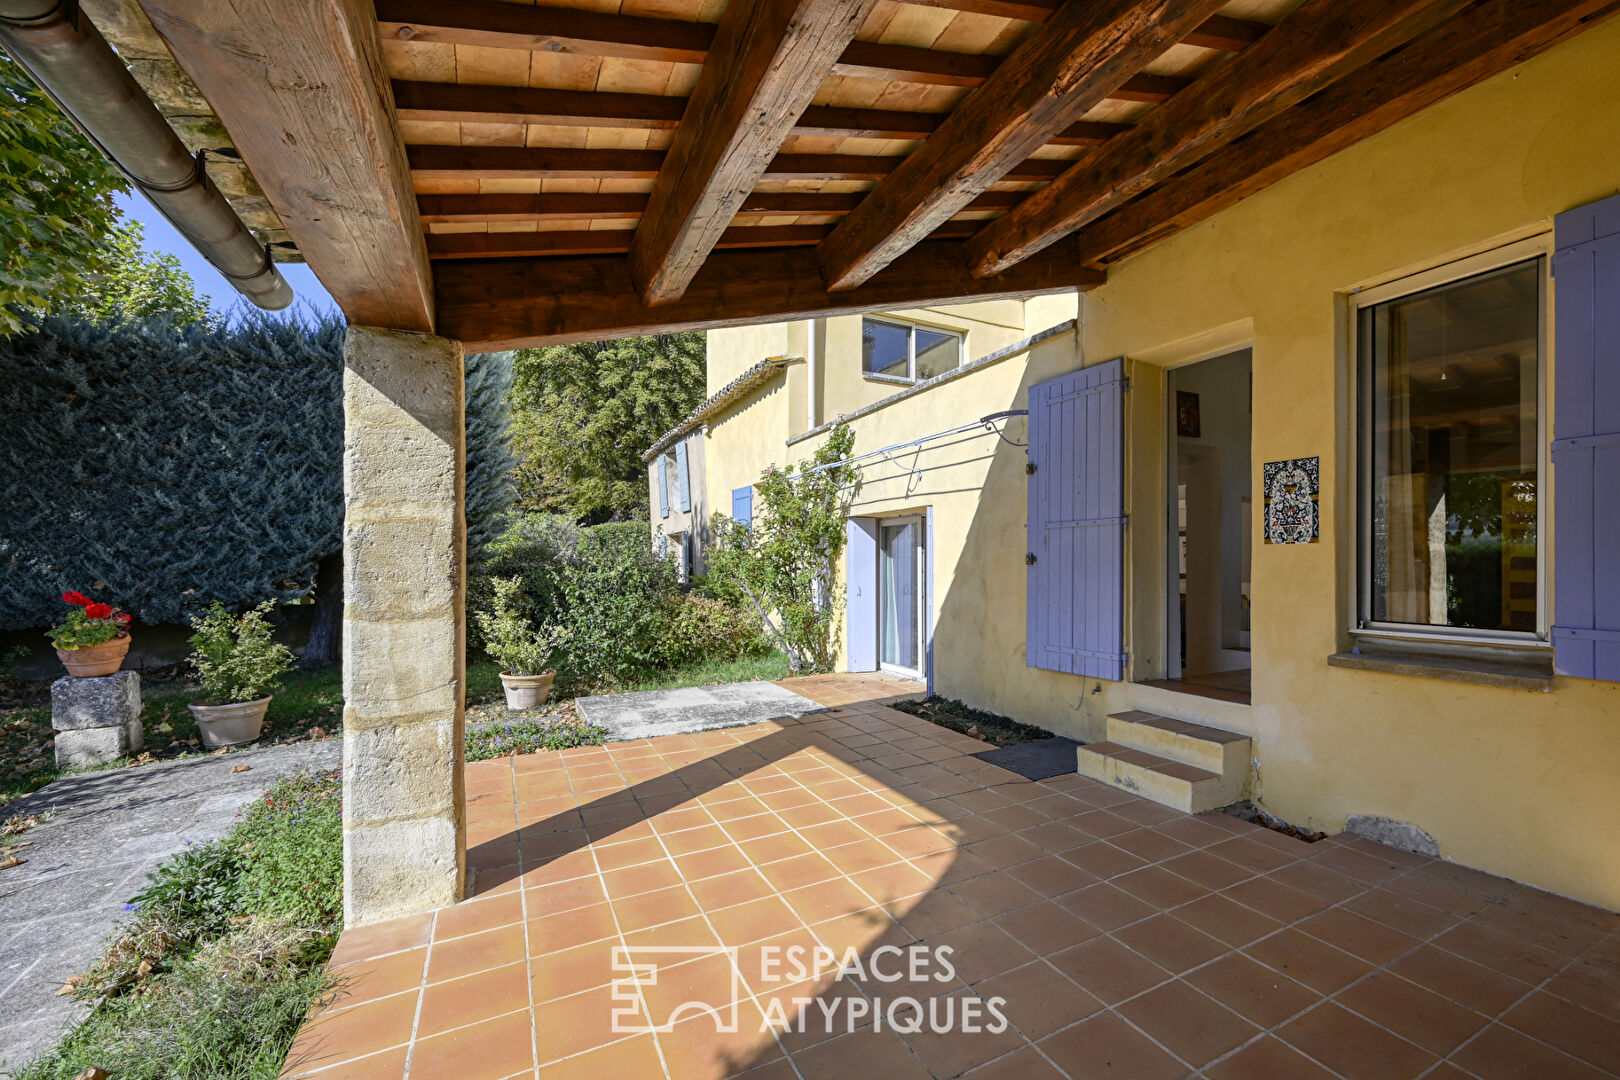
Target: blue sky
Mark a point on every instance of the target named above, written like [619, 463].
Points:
[162, 237]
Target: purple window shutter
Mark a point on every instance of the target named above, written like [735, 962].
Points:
[1075, 615]
[1586, 442]
[860, 592]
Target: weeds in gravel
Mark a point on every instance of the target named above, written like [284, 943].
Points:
[531, 735]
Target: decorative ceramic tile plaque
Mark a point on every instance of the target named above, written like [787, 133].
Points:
[1292, 513]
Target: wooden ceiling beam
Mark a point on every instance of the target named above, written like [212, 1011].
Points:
[1316, 45]
[1221, 32]
[1087, 49]
[471, 103]
[508, 303]
[315, 123]
[549, 163]
[1487, 39]
[567, 206]
[497, 24]
[617, 241]
[768, 59]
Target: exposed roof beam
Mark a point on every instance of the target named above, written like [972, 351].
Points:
[316, 126]
[544, 163]
[768, 59]
[1489, 38]
[1217, 32]
[497, 24]
[1087, 49]
[464, 102]
[507, 303]
[568, 206]
[617, 241]
[1316, 45]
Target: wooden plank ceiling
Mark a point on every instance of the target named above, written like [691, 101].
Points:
[585, 168]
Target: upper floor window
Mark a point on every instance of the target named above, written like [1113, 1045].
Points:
[1450, 454]
[907, 352]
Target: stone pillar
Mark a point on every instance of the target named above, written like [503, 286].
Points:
[404, 624]
[97, 720]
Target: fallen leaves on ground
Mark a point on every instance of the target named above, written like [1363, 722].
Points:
[241, 768]
[7, 864]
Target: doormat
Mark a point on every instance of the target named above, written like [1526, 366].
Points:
[1038, 760]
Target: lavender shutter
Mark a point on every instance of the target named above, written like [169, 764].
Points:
[860, 594]
[683, 486]
[742, 505]
[1586, 443]
[663, 486]
[1074, 616]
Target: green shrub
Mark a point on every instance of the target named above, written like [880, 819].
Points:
[235, 657]
[196, 889]
[702, 628]
[523, 640]
[529, 736]
[616, 598]
[291, 847]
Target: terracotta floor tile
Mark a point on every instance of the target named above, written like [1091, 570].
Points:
[573, 1025]
[775, 848]
[489, 1050]
[729, 890]
[686, 933]
[1309, 876]
[477, 997]
[1512, 956]
[1268, 1059]
[897, 885]
[1106, 906]
[367, 980]
[1046, 927]
[1109, 970]
[463, 956]
[1005, 852]
[695, 1050]
[827, 900]
[1354, 1047]
[1308, 960]
[1591, 983]
[682, 990]
[1373, 869]
[966, 1040]
[1149, 845]
[981, 950]
[937, 913]
[569, 929]
[1459, 980]
[860, 1053]
[633, 880]
[1105, 1045]
[1373, 942]
[1501, 1053]
[798, 872]
[1402, 913]
[859, 930]
[1226, 920]
[757, 919]
[1586, 1035]
[995, 893]
[472, 916]
[387, 1065]
[1281, 902]
[702, 838]
[633, 853]
[1158, 887]
[1250, 988]
[552, 869]
[1040, 1000]
[635, 1056]
[1415, 1014]
[1026, 1064]
[712, 862]
[394, 935]
[345, 1034]
[1052, 876]
[1191, 1025]
[565, 896]
[654, 908]
[1170, 943]
[1102, 824]
[570, 971]
[868, 854]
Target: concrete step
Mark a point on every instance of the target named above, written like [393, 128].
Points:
[1175, 784]
[1208, 748]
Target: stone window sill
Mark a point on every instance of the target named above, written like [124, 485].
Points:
[1512, 669]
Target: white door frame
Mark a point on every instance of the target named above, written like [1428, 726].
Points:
[920, 592]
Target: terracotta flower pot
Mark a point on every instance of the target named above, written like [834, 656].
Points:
[527, 691]
[91, 661]
[229, 725]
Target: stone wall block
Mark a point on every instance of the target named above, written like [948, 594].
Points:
[393, 670]
[104, 702]
[418, 587]
[400, 868]
[400, 772]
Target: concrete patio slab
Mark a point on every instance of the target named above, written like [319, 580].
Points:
[1116, 937]
[105, 831]
[649, 713]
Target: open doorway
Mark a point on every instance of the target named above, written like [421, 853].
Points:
[1209, 517]
[902, 595]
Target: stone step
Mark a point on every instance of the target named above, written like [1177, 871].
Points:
[1207, 748]
[1175, 784]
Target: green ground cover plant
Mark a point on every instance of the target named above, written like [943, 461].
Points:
[222, 955]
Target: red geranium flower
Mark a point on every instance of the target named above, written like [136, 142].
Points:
[123, 618]
[97, 611]
[76, 598]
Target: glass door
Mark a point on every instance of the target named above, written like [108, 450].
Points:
[901, 595]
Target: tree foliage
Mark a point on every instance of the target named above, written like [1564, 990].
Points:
[137, 284]
[165, 468]
[783, 560]
[583, 414]
[57, 217]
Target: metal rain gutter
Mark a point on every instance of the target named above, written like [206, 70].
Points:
[70, 60]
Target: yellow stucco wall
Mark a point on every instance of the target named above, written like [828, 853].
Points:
[1518, 783]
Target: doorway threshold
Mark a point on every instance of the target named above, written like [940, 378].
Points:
[1230, 686]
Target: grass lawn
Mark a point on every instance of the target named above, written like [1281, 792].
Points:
[308, 707]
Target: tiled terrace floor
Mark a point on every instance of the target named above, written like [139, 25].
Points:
[1127, 941]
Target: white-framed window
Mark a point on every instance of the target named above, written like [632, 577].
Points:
[1451, 449]
[906, 352]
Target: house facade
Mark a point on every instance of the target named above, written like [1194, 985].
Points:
[1323, 472]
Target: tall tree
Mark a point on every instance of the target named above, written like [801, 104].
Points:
[138, 284]
[583, 414]
[57, 216]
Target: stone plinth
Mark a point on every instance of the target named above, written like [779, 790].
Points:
[97, 720]
[404, 629]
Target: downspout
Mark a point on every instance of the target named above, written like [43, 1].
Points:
[812, 360]
[70, 60]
